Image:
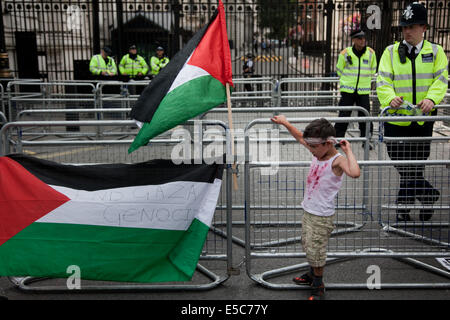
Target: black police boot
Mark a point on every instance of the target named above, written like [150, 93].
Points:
[404, 199]
[430, 199]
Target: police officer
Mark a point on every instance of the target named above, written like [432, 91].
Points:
[103, 64]
[355, 67]
[248, 69]
[133, 65]
[159, 61]
[415, 71]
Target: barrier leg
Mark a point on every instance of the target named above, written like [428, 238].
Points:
[24, 284]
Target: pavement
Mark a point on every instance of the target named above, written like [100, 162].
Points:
[241, 287]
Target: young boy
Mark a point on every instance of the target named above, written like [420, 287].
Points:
[323, 183]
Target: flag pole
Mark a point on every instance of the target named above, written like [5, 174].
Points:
[230, 125]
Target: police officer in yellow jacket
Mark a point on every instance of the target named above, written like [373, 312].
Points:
[158, 62]
[103, 64]
[413, 71]
[355, 67]
[133, 65]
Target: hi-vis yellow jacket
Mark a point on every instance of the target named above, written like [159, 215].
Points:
[157, 64]
[98, 65]
[131, 67]
[424, 78]
[356, 75]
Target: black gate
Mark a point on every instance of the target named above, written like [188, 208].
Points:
[286, 37]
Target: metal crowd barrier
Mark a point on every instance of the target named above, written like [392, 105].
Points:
[242, 116]
[253, 92]
[301, 91]
[2, 99]
[83, 114]
[118, 95]
[364, 224]
[217, 248]
[12, 91]
[50, 95]
[314, 91]
[443, 110]
[115, 94]
[366, 227]
[289, 147]
[55, 114]
[3, 119]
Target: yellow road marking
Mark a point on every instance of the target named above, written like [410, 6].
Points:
[64, 153]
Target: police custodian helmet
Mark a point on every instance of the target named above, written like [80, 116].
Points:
[358, 33]
[415, 13]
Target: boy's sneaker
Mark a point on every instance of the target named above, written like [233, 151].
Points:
[305, 279]
[317, 293]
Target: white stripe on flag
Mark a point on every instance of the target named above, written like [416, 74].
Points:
[186, 74]
[170, 206]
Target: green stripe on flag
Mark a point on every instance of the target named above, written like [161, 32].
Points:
[106, 253]
[181, 104]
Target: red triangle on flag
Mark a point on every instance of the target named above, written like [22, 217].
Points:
[23, 198]
[213, 52]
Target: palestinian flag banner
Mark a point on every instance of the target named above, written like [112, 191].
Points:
[193, 82]
[144, 222]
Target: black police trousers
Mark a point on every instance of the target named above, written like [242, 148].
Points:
[413, 184]
[350, 99]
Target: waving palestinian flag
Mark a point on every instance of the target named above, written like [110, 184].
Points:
[144, 222]
[193, 82]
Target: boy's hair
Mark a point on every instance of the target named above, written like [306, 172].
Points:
[319, 128]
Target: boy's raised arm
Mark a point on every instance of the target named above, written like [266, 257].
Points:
[297, 134]
[349, 165]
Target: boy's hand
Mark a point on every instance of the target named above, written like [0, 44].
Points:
[281, 119]
[345, 146]
[297, 134]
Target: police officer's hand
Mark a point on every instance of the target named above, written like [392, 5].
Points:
[396, 102]
[426, 105]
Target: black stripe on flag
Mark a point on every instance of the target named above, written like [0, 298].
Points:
[147, 103]
[109, 176]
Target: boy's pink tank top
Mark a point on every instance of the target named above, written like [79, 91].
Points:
[322, 186]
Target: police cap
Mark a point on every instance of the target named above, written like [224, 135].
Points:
[107, 50]
[358, 33]
[415, 13]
